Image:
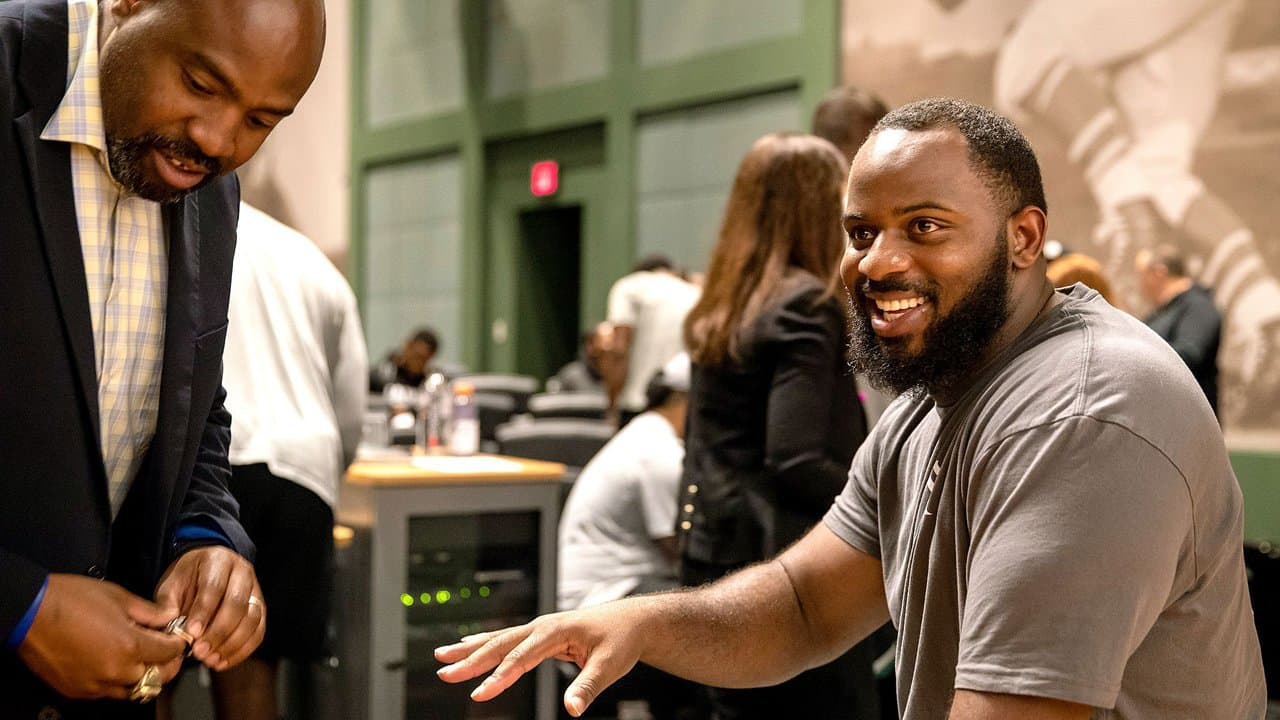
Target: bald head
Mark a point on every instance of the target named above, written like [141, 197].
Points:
[191, 88]
[288, 33]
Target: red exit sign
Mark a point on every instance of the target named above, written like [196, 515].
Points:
[544, 178]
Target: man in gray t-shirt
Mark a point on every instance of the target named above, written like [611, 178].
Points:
[1047, 514]
[1051, 532]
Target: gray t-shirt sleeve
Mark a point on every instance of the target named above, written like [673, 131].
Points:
[854, 517]
[1076, 531]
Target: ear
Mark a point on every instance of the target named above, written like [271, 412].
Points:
[1026, 234]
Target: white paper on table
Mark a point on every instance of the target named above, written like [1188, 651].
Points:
[474, 465]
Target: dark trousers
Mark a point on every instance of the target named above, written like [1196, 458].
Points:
[844, 689]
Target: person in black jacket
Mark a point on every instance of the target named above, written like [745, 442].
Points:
[1184, 314]
[774, 418]
[120, 126]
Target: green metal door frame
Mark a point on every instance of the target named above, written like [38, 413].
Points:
[584, 187]
[808, 62]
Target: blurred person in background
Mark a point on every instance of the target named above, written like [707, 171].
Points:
[410, 365]
[617, 532]
[774, 417]
[1071, 268]
[1184, 313]
[844, 117]
[295, 370]
[584, 373]
[647, 308]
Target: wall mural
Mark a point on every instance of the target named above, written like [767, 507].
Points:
[1156, 121]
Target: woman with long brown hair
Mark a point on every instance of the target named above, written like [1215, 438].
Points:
[774, 417]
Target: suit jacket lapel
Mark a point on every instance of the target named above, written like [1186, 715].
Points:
[181, 222]
[48, 165]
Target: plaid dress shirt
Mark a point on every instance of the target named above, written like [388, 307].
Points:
[125, 261]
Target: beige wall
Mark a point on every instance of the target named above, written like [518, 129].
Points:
[1197, 96]
[301, 174]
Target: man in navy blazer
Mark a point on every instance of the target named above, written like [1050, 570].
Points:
[189, 89]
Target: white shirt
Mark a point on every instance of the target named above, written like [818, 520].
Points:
[295, 366]
[624, 500]
[654, 304]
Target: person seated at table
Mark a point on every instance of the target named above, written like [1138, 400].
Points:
[618, 526]
[584, 373]
[409, 365]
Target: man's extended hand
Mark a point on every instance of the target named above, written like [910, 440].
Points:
[94, 639]
[212, 586]
[604, 641]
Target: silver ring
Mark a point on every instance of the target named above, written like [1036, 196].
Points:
[178, 627]
[253, 600]
[148, 687]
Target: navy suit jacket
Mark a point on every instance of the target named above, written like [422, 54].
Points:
[55, 515]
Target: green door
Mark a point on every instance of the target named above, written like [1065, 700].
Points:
[548, 265]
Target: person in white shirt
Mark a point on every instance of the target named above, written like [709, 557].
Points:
[647, 309]
[295, 372]
[618, 526]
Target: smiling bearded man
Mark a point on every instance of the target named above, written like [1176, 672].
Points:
[1050, 521]
[951, 344]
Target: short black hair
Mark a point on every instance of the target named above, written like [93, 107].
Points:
[428, 337]
[650, 263]
[998, 151]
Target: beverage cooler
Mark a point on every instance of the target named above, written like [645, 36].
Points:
[427, 564]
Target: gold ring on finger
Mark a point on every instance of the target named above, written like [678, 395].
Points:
[148, 687]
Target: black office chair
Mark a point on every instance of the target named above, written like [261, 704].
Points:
[494, 409]
[569, 441]
[518, 387]
[586, 405]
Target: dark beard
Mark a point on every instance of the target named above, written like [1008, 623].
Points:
[126, 157]
[953, 345]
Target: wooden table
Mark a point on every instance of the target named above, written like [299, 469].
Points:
[449, 470]
[427, 531]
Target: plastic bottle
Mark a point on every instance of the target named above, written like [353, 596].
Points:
[430, 430]
[464, 435]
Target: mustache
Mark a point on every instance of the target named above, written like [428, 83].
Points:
[184, 150]
[867, 286]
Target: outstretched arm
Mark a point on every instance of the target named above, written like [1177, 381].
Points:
[756, 627]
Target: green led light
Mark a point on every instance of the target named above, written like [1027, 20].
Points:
[464, 593]
[425, 598]
[406, 599]
[443, 596]
[484, 591]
